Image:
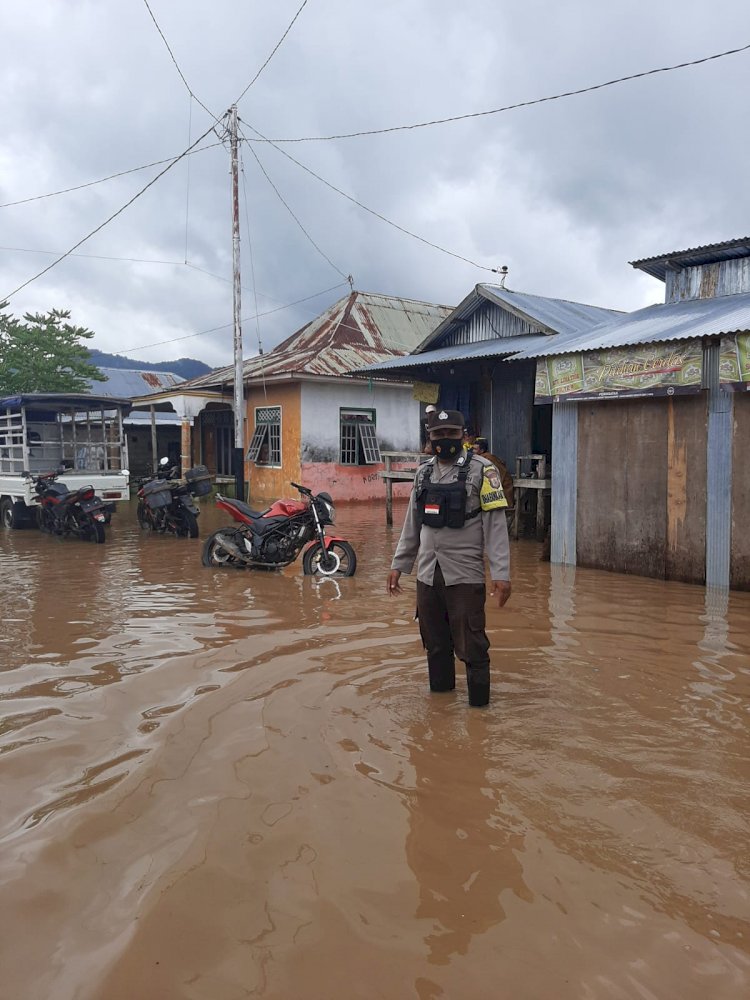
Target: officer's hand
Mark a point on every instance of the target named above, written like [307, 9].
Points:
[393, 584]
[500, 591]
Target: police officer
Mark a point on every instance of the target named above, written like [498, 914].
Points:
[456, 514]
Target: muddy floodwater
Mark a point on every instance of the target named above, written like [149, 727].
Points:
[226, 784]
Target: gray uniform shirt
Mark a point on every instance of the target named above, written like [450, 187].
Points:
[460, 551]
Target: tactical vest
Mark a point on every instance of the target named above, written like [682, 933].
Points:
[443, 505]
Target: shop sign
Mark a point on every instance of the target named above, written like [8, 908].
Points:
[646, 370]
[734, 363]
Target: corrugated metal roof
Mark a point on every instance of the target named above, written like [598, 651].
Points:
[47, 400]
[659, 323]
[132, 382]
[360, 329]
[547, 315]
[497, 348]
[658, 266]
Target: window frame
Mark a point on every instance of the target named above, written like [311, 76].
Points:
[365, 445]
[262, 435]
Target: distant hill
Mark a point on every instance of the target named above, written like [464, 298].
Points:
[186, 367]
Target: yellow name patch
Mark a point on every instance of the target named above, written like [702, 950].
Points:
[491, 495]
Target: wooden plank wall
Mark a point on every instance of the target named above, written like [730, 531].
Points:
[642, 487]
[687, 426]
[621, 522]
[512, 409]
[740, 558]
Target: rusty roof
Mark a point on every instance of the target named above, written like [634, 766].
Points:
[358, 330]
[130, 382]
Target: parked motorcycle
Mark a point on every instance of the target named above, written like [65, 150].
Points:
[62, 512]
[274, 537]
[166, 504]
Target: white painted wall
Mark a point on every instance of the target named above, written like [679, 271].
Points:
[396, 417]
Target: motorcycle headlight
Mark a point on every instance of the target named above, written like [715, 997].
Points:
[330, 512]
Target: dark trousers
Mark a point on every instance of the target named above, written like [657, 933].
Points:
[451, 621]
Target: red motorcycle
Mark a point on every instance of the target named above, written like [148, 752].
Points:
[274, 537]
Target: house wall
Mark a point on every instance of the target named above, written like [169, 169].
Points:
[512, 410]
[740, 553]
[706, 281]
[266, 482]
[488, 323]
[621, 521]
[140, 457]
[641, 498]
[397, 417]
[687, 421]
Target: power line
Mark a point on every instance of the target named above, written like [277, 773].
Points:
[96, 256]
[365, 208]
[176, 65]
[273, 51]
[120, 173]
[245, 319]
[279, 195]
[229, 281]
[514, 107]
[110, 219]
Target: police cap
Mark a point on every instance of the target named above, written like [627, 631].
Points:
[442, 419]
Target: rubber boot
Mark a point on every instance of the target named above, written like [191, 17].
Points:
[479, 694]
[442, 678]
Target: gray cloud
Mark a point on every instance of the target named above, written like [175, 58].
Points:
[563, 193]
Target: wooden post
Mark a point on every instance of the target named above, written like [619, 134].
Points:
[186, 444]
[388, 493]
[154, 445]
[541, 508]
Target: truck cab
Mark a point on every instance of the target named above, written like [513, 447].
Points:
[80, 436]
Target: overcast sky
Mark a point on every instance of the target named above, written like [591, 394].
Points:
[563, 193]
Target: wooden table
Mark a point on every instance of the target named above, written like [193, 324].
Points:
[544, 488]
[391, 475]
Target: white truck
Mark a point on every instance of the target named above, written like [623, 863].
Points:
[81, 436]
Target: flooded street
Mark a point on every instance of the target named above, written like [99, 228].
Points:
[227, 784]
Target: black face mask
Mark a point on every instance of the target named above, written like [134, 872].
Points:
[447, 448]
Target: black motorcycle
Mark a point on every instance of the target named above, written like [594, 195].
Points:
[64, 512]
[166, 504]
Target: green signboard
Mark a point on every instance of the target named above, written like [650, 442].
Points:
[647, 370]
[734, 363]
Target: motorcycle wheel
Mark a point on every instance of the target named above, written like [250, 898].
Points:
[144, 519]
[214, 555]
[95, 532]
[43, 520]
[186, 524]
[317, 561]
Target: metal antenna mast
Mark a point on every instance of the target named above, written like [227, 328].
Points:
[239, 396]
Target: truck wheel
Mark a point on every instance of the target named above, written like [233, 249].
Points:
[13, 515]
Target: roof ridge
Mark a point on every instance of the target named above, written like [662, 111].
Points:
[551, 298]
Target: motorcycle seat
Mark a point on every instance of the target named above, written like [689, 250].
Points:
[245, 509]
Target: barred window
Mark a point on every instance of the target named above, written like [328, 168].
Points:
[359, 443]
[265, 446]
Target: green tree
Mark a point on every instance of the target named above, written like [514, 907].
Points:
[43, 352]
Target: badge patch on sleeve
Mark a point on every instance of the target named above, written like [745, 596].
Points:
[491, 494]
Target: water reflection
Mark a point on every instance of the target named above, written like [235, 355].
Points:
[592, 821]
[460, 846]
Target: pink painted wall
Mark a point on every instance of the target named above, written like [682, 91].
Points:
[350, 482]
